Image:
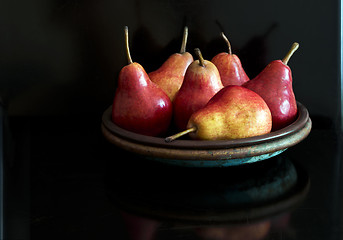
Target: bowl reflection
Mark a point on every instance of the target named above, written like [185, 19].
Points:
[197, 194]
[243, 202]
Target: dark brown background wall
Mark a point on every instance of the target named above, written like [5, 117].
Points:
[63, 57]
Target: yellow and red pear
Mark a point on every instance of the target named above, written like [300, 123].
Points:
[201, 83]
[171, 74]
[230, 67]
[139, 105]
[234, 112]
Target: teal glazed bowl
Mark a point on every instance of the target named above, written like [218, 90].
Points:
[199, 153]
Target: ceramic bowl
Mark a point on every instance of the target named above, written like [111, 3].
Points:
[199, 153]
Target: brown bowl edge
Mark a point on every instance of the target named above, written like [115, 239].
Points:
[301, 120]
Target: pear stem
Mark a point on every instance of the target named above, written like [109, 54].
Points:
[227, 42]
[200, 57]
[129, 59]
[180, 134]
[294, 47]
[184, 40]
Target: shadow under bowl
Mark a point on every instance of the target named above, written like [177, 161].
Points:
[205, 153]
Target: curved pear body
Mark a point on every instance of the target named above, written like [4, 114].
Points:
[274, 85]
[170, 75]
[140, 105]
[230, 69]
[234, 112]
[199, 86]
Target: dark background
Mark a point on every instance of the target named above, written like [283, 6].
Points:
[63, 57]
[59, 61]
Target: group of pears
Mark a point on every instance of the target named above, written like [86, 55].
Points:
[208, 100]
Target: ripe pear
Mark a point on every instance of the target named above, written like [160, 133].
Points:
[234, 112]
[171, 74]
[139, 105]
[274, 85]
[201, 83]
[230, 67]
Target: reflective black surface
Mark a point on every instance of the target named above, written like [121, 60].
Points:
[94, 191]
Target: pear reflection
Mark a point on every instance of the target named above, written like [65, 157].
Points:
[254, 231]
[145, 228]
[246, 202]
[138, 227]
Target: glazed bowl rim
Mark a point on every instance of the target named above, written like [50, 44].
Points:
[299, 123]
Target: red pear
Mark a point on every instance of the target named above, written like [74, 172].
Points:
[230, 67]
[170, 75]
[139, 105]
[234, 112]
[201, 82]
[274, 85]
